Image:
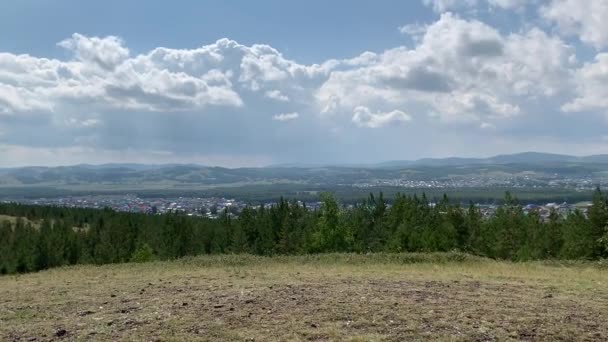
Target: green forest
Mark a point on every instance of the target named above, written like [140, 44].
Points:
[45, 237]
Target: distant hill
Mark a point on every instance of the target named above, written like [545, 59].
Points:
[132, 166]
[534, 169]
[532, 158]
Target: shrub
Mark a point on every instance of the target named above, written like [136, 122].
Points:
[144, 253]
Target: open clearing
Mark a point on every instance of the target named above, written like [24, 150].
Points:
[329, 297]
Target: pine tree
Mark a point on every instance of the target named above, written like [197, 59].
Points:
[476, 242]
[578, 239]
[598, 217]
[6, 238]
[331, 235]
[553, 235]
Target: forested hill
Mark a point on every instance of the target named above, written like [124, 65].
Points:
[35, 238]
[528, 169]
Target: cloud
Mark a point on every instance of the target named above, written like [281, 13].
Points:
[76, 122]
[583, 18]
[441, 6]
[285, 116]
[415, 30]
[418, 77]
[485, 125]
[460, 70]
[103, 75]
[459, 77]
[363, 117]
[591, 87]
[276, 95]
[106, 53]
[15, 99]
[509, 4]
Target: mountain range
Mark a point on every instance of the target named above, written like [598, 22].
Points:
[531, 168]
[517, 158]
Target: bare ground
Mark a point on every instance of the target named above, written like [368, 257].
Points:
[290, 300]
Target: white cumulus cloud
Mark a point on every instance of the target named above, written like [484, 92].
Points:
[591, 87]
[276, 95]
[286, 116]
[460, 76]
[363, 117]
[583, 18]
[441, 6]
[459, 70]
[105, 52]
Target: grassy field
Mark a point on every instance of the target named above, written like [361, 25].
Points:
[449, 297]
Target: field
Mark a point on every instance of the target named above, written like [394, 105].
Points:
[379, 297]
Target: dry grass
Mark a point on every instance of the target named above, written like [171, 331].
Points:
[332, 297]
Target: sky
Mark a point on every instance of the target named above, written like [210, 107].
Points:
[255, 83]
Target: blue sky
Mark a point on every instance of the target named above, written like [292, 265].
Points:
[310, 31]
[249, 83]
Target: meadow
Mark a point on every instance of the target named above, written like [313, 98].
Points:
[326, 297]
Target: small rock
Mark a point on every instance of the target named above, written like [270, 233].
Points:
[313, 325]
[184, 304]
[61, 332]
[218, 306]
[231, 309]
[113, 295]
[548, 296]
[85, 313]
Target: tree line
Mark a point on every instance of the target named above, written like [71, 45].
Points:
[43, 237]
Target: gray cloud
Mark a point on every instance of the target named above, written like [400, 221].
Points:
[483, 48]
[421, 78]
